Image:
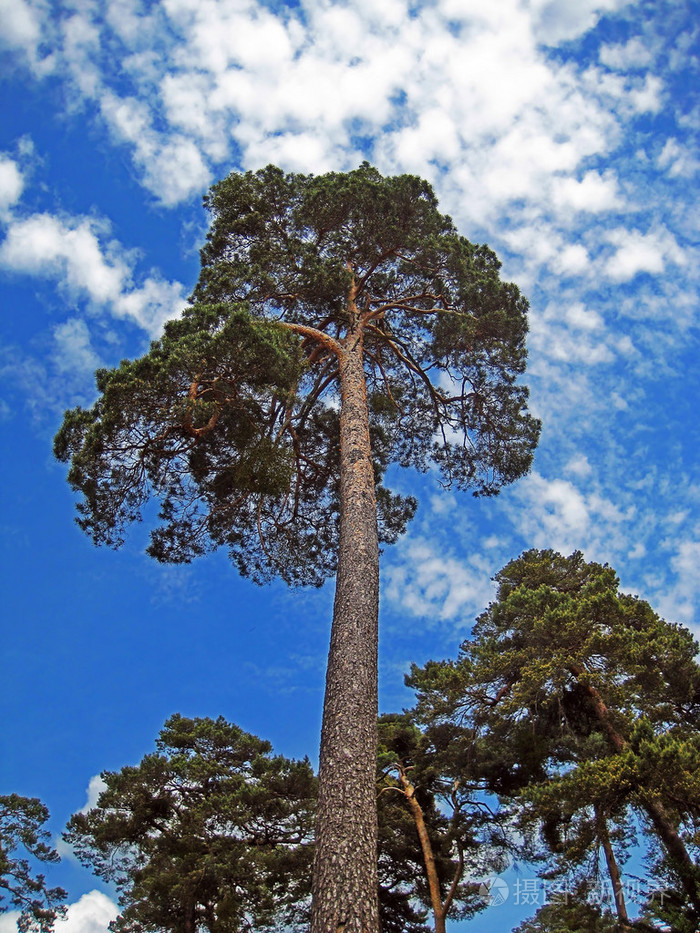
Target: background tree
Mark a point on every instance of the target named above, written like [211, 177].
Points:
[340, 324]
[21, 827]
[583, 689]
[211, 832]
[432, 800]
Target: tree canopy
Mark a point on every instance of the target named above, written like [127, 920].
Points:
[591, 700]
[231, 419]
[211, 832]
[433, 816]
[21, 827]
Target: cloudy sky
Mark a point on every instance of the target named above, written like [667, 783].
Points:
[562, 132]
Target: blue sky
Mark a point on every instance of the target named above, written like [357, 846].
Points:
[562, 132]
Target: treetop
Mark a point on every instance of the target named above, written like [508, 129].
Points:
[232, 419]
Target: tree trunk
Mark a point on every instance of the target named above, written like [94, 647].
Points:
[439, 909]
[345, 886]
[613, 872]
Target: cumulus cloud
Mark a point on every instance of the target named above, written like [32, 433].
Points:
[23, 25]
[8, 921]
[637, 252]
[568, 514]
[172, 166]
[92, 792]
[593, 193]
[95, 787]
[558, 20]
[570, 332]
[92, 913]
[73, 348]
[633, 54]
[678, 160]
[316, 87]
[68, 250]
[679, 599]
[76, 252]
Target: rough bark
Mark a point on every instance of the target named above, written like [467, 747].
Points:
[345, 870]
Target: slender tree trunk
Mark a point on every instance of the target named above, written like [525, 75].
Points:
[663, 824]
[613, 872]
[345, 886]
[439, 909]
[189, 915]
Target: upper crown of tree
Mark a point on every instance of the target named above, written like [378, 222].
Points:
[231, 419]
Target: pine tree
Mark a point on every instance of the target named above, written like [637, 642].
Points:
[433, 811]
[592, 700]
[211, 832]
[21, 828]
[340, 324]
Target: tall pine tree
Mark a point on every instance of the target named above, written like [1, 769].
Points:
[340, 324]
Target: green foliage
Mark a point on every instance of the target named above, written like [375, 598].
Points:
[666, 906]
[231, 419]
[403, 899]
[589, 703]
[21, 822]
[437, 311]
[191, 423]
[557, 629]
[467, 837]
[210, 832]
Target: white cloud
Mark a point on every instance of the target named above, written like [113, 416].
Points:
[76, 253]
[68, 250]
[678, 160]
[629, 55]
[560, 514]
[435, 585]
[20, 23]
[11, 184]
[647, 98]
[679, 600]
[571, 260]
[74, 352]
[92, 913]
[173, 167]
[94, 789]
[569, 332]
[579, 466]
[8, 921]
[558, 20]
[638, 252]
[458, 83]
[22, 28]
[593, 193]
